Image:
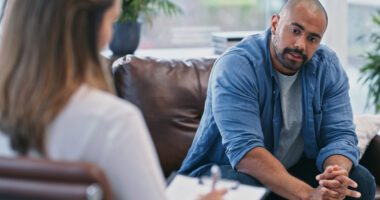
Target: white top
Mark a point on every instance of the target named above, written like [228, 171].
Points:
[97, 127]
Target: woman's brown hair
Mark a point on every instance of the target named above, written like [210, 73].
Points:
[48, 49]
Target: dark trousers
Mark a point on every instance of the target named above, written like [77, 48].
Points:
[306, 170]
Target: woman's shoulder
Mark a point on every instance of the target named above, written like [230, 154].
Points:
[91, 110]
[92, 116]
[97, 103]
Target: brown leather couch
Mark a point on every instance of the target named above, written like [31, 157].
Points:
[171, 95]
[41, 179]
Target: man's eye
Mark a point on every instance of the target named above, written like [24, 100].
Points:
[295, 30]
[313, 39]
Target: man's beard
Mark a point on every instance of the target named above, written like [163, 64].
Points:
[287, 63]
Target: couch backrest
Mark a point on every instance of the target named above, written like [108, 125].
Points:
[29, 179]
[171, 95]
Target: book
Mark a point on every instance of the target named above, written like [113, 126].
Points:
[220, 48]
[225, 40]
[190, 188]
[232, 36]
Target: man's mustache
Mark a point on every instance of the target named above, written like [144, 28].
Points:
[297, 51]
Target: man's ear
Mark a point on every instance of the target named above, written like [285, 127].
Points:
[274, 24]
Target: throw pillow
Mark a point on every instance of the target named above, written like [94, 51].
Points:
[367, 126]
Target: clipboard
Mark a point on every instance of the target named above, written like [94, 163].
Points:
[190, 188]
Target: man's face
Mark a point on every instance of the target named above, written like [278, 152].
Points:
[296, 35]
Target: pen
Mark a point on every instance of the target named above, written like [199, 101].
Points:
[215, 176]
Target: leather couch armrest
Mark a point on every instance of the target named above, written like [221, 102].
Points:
[371, 158]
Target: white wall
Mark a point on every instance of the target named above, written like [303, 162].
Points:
[336, 33]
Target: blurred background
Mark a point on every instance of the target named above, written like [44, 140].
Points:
[350, 25]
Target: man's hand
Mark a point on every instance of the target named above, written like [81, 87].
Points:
[323, 193]
[336, 178]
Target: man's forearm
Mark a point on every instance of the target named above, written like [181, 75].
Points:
[263, 166]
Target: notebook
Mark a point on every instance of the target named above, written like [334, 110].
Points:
[190, 188]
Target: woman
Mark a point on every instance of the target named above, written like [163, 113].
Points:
[56, 99]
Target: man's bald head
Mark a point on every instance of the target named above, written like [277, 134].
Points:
[296, 34]
[314, 5]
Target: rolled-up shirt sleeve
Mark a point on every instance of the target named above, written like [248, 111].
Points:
[337, 133]
[235, 106]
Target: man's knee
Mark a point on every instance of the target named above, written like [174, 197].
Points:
[365, 180]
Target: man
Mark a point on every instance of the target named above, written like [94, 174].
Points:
[278, 113]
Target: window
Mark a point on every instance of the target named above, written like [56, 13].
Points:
[2, 4]
[350, 27]
[192, 28]
[360, 26]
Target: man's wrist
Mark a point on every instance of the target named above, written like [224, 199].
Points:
[339, 160]
[305, 193]
[308, 195]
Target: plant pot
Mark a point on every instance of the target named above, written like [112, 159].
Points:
[126, 38]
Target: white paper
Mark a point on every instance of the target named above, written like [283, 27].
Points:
[189, 188]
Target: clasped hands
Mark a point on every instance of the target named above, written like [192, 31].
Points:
[334, 183]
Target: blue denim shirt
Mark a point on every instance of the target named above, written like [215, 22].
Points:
[243, 109]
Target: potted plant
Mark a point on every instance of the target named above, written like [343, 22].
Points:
[127, 29]
[370, 72]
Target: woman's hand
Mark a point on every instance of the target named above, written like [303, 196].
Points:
[214, 195]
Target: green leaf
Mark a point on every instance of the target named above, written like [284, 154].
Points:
[370, 72]
[133, 9]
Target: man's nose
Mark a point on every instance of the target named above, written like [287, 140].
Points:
[300, 44]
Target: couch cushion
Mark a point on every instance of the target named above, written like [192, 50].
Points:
[171, 95]
[367, 127]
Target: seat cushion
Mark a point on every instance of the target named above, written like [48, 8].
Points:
[171, 95]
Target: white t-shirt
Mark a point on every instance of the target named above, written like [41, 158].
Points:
[97, 127]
